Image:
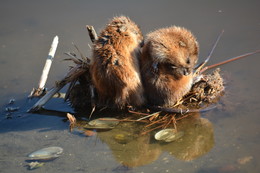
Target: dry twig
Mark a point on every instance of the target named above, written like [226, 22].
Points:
[229, 60]
[92, 33]
[41, 87]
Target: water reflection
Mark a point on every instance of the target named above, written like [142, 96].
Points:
[197, 141]
[132, 149]
[129, 147]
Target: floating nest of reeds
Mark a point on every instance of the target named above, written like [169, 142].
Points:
[206, 91]
[203, 96]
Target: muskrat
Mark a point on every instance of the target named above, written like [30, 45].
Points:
[167, 62]
[115, 67]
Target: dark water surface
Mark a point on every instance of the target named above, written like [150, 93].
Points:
[222, 140]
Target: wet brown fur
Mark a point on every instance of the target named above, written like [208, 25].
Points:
[167, 62]
[115, 67]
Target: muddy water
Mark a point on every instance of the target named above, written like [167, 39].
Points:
[222, 140]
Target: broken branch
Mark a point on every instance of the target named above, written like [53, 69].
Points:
[71, 75]
[45, 72]
[201, 65]
[92, 33]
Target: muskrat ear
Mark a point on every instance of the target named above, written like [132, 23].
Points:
[182, 44]
[121, 28]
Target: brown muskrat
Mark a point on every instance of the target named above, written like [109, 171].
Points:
[115, 67]
[167, 62]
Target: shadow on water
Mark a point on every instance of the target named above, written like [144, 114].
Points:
[15, 116]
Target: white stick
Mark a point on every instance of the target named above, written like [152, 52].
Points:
[48, 63]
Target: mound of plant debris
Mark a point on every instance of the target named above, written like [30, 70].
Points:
[206, 91]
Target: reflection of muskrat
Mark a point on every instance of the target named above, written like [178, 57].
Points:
[167, 63]
[115, 67]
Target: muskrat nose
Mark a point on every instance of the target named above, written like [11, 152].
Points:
[186, 71]
[182, 70]
[141, 44]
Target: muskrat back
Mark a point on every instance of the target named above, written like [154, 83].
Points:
[115, 64]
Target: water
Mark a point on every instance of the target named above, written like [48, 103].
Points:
[26, 31]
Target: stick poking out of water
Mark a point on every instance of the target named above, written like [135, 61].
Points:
[229, 60]
[74, 73]
[93, 37]
[92, 33]
[71, 76]
[201, 65]
[45, 72]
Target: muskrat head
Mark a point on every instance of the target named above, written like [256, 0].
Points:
[174, 48]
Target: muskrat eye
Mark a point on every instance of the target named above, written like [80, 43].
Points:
[173, 67]
[116, 62]
[170, 66]
[163, 45]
